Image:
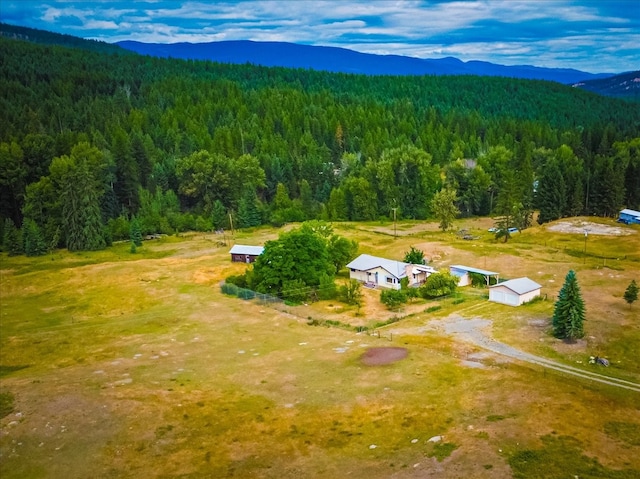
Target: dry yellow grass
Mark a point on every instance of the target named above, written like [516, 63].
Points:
[137, 365]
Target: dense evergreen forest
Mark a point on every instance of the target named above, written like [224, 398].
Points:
[94, 141]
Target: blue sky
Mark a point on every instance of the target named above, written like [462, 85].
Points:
[590, 35]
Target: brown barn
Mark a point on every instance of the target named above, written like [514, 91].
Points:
[245, 254]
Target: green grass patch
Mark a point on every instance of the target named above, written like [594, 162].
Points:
[433, 309]
[561, 457]
[627, 432]
[6, 404]
[496, 417]
[442, 450]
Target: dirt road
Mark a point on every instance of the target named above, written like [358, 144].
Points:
[475, 331]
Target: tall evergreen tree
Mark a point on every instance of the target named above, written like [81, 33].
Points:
[12, 241]
[80, 189]
[34, 244]
[249, 210]
[569, 311]
[508, 205]
[219, 217]
[135, 232]
[551, 194]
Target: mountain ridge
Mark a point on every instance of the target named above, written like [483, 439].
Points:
[342, 60]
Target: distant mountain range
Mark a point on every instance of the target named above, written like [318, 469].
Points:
[342, 60]
[626, 85]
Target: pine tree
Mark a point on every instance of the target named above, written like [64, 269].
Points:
[135, 232]
[569, 311]
[551, 194]
[12, 241]
[248, 210]
[631, 294]
[219, 215]
[34, 244]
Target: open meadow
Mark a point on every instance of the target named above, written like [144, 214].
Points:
[118, 365]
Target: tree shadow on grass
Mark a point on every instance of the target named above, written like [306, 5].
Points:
[6, 370]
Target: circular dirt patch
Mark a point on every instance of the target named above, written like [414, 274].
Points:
[380, 356]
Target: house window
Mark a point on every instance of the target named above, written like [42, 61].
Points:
[390, 280]
[353, 270]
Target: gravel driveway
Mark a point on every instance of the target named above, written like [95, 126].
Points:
[475, 331]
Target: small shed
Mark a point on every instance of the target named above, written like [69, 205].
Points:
[628, 217]
[514, 292]
[464, 279]
[245, 254]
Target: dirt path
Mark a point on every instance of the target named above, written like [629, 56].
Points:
[473, 331]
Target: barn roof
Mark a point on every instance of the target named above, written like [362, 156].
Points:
[366, 262]
[244, 249]
[519, 285]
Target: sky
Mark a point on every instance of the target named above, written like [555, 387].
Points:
[596, 36]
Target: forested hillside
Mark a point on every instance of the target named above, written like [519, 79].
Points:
[91, 140]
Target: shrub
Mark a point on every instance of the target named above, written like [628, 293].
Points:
[230, 289]
[393, 298]
[203, 224]
[244, 293]
[439, 284]
[351, 292]
[327, 287]
[295, 290]
[239, 280]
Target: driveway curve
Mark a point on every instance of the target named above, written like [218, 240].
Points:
[473, 331]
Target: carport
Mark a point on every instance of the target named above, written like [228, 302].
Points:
[462, 273]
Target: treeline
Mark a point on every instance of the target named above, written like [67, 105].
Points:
[90, 140]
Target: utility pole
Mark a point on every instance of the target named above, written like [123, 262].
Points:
[231, 222]
[394, 209]
[586, 234]
[394, 221]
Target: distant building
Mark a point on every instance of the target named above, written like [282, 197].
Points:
[245, 254]
[514, 292]
[629, 217]
[387, 273]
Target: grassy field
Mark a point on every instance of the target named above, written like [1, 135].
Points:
[135, 365]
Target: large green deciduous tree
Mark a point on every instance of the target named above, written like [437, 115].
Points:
[444, 207]
[569, 310]
[298, 255]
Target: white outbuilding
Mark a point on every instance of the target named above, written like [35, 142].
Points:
[514, 292]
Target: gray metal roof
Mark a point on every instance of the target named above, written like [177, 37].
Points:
[473, 270]
[366, 262]
[244, 249]
[519, 285]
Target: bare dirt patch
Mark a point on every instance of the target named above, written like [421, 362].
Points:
[382, 356]
[582, 226]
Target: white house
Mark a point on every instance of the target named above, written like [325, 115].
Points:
[514, 292]
[387, 273]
